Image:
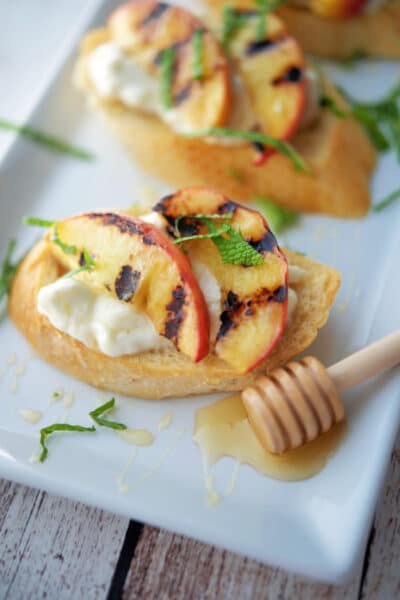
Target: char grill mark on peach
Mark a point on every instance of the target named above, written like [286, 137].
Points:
[227, 207]
[126, 283]
[280, 294]
[292, 75]
[259, 46]
[267, 243]
[156, 13]
[175, 314]
[124, 224]
[236, 309]
[183, 95]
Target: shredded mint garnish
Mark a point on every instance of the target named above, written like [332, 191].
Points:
[381, 119]
[96, 416]
[232, 20]
[265, 7]
[231, 245]
[197, 42]
[88, 265]
[253, 136]
[167, 61]
[387, 201]
[225, 227]
[38, 222]
[46, 431]
[49, 141]
[349, 62]
[328, 102]
[278, 218]
[8, 269]
[66, 248]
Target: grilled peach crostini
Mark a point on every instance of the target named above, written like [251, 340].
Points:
[242, 115]
[170, 303]
[338, 28]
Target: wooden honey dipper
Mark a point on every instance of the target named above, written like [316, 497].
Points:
[295, 404]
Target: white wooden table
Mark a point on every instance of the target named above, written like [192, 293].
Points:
[54, 548]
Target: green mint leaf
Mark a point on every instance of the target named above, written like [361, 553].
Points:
[167, 61]
[49, 141]
[97, 418]
[277, 217]
[231, 245]
[203, 236]
[395, 195]
[252, 136]
[37, 222]
[328, 102]
[234, 250]
[46, 431]
[197, 43]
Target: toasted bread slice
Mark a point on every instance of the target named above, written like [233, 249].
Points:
[337, 150]
[375, 34]
[160, 374]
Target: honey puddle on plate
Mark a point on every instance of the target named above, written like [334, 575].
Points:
[222, 429]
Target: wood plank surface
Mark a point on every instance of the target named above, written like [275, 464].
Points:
[54, 548]
[382, 577]
[166, 565]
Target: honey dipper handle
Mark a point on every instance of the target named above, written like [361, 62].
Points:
[360, 366]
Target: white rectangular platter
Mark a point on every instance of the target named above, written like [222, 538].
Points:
[316, 527]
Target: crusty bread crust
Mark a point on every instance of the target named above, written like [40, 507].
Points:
[376, 34]
[160, 374]
[338, 151]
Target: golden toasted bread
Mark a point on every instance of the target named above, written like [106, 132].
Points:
[162, 373]
[375, 33]
[339, 154]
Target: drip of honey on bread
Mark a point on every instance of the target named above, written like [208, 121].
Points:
[222, 429]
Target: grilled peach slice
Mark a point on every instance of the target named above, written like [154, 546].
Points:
[146, 28]
[337, 8]
[139, 264]
[254, 298]
[272, 69]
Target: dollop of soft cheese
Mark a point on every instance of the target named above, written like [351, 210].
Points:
[115, 75]
[109, 325]
[98, 320]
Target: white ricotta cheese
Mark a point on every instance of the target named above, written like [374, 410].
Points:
[109, 325]
[115, 75]
[98, 320]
